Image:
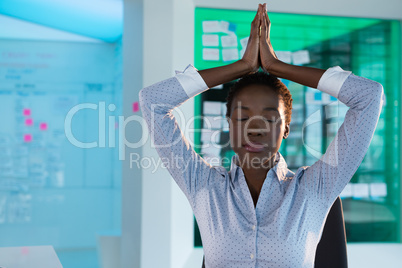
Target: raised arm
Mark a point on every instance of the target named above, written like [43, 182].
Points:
[327, 177]
[307, 76]
[157, 101]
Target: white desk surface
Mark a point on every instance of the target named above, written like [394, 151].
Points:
[28, 257]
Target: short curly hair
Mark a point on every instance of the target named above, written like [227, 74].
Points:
[262, 78]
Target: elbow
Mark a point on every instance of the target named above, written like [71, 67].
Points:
[379, 94]
[144, 101]
[142, 97]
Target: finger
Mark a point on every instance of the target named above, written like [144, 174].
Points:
[263, 27]
[257, 14]
[255, 25]
[266, 13]
[268, 25]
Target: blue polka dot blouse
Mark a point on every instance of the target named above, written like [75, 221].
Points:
[284, 228]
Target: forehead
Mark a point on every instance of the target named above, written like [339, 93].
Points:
[258, 96]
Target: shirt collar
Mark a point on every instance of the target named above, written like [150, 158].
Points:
[280, 168]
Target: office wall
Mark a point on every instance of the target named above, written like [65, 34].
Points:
[157, 223]
[387, 9]
[159, 227]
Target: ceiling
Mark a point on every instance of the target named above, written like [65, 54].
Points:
[99, 19]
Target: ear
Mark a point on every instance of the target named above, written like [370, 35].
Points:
[287, 131]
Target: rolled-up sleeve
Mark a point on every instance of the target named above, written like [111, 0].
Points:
[328, 176]
[157, 102]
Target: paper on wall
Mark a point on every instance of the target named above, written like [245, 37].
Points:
[361, 190]
[212, 107]
[212, 122]
[285, 56]
[378, 189]
[223, 109]
[230, 54]
[211, 150]
[300, 57]
[243, 42]
[313, 97]
[215, 26]
[211, 26]
[211, 54]
[229, 40]
[210, 136]
[347, 191]
[224, 26]
[210, 40]
[225, 125]
[242, 52]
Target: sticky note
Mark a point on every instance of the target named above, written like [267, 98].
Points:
[211, 150]
[300, 57]
[211, 54]
[224, 26]
[136, 107]
[26, 112]
[24, 250]
[229, 40]
[225, 125]
[244, 41]
[347, 191]
[242, 51]
[223, 109]
[211, 26]
[378, 189]
[210, 136]
[28, 122]
[212, 122]
[232, 27]
[360, 190]
[210, 40]
[285, 56]
[43, 126]
[230, 54]
[27, 137]
[313, 97]
[212, 107]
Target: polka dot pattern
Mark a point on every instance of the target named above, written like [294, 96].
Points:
[284, 228]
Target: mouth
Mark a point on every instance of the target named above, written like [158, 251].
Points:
[253, 147]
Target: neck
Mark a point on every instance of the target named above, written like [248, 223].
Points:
[260, 172]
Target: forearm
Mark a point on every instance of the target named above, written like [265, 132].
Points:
[223, 74]
[304, 75]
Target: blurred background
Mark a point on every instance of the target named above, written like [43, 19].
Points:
[77, 176]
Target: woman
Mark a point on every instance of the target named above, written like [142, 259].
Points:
[261, 214]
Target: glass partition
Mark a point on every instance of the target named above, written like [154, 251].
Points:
[368, 47]
[60, 177]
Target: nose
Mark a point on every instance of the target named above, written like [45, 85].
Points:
[257, 127]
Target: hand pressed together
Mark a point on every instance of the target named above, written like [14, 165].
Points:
[259, 51]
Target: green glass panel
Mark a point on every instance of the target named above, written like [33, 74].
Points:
[368, 47]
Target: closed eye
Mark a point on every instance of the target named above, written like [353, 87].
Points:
[246, 118]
